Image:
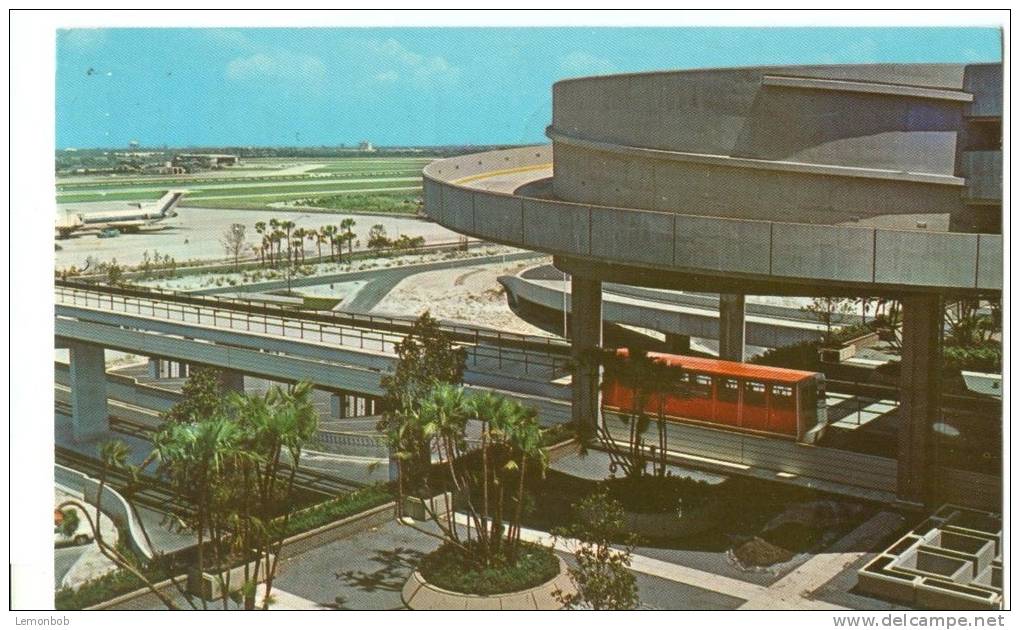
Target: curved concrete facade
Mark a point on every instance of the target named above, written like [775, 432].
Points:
[862, 177]
[477, 195]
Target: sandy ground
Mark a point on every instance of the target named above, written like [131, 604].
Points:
[85, 561]
[209, 280]
[344, 291]
[468, 294]
[196, 232]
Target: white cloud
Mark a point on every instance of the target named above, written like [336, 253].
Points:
[278, 66]
[82, 38]
[581, 63]
[400, 63]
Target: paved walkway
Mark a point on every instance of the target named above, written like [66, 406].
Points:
[794, 590]
[791, 592]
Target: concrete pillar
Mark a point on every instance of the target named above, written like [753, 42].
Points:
[232, 381]
[89, 416]
[920, 396]
[153, 367]
[678, 344]
[585, 335]
[338, 405]
[731, 326]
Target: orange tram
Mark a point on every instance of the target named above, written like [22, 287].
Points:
[736, 396]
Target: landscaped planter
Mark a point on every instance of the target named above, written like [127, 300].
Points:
[652, 525]
[208, 586]
[420, 595]
[439, 505]
[848, 348]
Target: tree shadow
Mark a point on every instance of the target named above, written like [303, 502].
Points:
[396, 564]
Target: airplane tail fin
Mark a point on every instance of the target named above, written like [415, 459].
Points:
[166, 204]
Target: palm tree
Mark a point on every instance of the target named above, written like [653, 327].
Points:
[667, 381]
[347, 225]
[287, 226]
[635, 372]
[275, 427]
[313, 237]
[329, 233]
[277, 238]
[260, 228]
[320, 238]
[274, 225]
[195, 458]
[299, 244]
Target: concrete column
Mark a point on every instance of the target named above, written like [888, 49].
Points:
[731, 326]
[232, 381]
[89, 416]
[920, 396]
[153, 367]
[678, 344]
[338, 405]
[585, 335]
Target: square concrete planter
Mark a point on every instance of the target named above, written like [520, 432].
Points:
[208, 585]
[415, 507]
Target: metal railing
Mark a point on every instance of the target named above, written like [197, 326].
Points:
[487, 350]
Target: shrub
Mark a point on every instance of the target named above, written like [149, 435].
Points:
[453, 569]
[336, 509]
[653, 494]
[986, 358]
[602, 575]
[800, 356]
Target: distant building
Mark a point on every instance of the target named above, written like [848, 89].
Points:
[133, 144]
[366, 146]
[192, 161]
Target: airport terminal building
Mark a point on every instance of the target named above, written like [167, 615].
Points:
[830, 181]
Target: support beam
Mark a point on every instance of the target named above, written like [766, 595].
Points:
[585, 336]
[731, 326]
[89, 416]
[920, 396]
[153, 368]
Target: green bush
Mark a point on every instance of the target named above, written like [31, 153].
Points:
[336, 509]
[114, 583]
[120, 581]
[986, 358]
[799, 356]
[650, 494]
[453, 569]
[558, 433]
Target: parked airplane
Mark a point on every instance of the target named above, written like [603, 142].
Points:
[142, 217]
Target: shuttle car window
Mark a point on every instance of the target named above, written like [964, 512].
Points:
[754, 393]
[782, 395]
[728, 390]
[701, 385]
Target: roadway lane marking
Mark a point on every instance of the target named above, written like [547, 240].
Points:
[505, 171]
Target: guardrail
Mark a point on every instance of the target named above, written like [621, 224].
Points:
[486, 349]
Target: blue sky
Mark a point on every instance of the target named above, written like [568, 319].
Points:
[408, 86]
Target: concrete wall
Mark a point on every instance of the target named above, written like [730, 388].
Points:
[901, 117]
[865, 256]
[739, 188]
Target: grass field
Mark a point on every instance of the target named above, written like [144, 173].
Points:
[320, 183]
